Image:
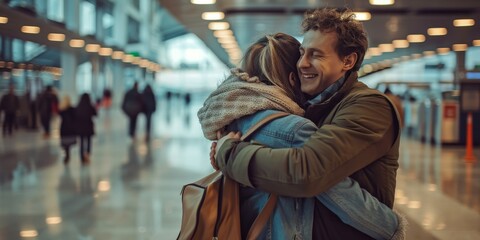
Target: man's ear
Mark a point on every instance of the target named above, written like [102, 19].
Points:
[349, 61]
[291, 79]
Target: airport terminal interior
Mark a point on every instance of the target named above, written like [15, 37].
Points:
[427, 53]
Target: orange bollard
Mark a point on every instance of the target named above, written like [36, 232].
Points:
[469, 157]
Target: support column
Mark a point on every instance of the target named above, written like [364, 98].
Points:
[69, 63]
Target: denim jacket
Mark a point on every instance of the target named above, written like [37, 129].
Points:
[293, 217]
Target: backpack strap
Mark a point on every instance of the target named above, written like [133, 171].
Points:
[267, 210]
[262, 218]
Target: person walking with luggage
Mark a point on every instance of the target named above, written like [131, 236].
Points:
[150, 102]
[132, 105]
[9, 106]
[84, 113]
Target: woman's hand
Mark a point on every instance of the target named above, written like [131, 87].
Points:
[217, 145]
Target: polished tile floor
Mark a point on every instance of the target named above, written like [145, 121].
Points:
[131, 189]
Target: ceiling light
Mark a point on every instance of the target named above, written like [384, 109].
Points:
[30, 29]
[229, 45]
[362, 16]
[28, 233]
[222, 33]
[218, 25]
[463, 22]
[227, 40]
[53, 220]
[401, 43]
[92, 47]
[382, 2]
[117, 55]
[416, 55]
[373, 51]
[3, 20]
[444, 50]
[127, 58]
[203, 1]
[459, 47]
[476, 43]
[105, 52]
[213, 15]
[437, 31]
[387, 47]
[56, 37]
[428, 53]
[77, 43]
[416, 38]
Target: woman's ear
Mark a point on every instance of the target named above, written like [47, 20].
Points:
[291, 79]
[349, 61]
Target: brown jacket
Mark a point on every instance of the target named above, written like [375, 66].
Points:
[358, 137]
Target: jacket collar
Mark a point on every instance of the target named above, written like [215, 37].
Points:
[316, 111]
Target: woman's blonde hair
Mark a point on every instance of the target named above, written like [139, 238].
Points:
[272, 58]
[65, 103]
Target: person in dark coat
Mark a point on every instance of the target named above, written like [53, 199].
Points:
[84, 114]
[68, 133]
[132, 105]
[150, 106]
[9, 105]
[47, 104]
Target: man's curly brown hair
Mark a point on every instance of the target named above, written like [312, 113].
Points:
[350, 32]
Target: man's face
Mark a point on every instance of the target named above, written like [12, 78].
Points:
[319, 65]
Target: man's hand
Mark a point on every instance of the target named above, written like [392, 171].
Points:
[217, 145]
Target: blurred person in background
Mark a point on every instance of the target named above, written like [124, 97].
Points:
[150, 105]
[47, 106]
[68, 133]
[9, 106]
[132, 105]
[84, 113]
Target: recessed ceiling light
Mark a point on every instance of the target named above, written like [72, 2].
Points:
[213, 15]
[437, 31]
[77, 43]
[374, 51]
[3, 20]
[30, 29]
[56, 37]
[127, 58]
[105, 52]
[416, 55]
[460, 47]
[463, 22]
[443, 50]
[218, 25]
[203, 1]
[386, 47]
[428, 53]
[222, 33]
[362, 16]
[382, 2]
[92, 47]
[401, 43]
[117, 55]
[416, 38]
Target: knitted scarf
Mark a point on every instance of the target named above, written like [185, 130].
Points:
[238, 96]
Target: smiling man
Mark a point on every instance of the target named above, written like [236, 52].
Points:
[358, 133]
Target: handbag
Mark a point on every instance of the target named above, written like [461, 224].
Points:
[211, 205]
